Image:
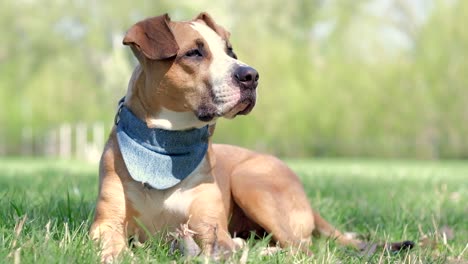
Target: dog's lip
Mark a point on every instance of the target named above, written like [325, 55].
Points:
[241, 108]
[243, 105]
[249, 106]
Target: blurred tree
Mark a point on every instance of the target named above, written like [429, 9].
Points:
[362, 78]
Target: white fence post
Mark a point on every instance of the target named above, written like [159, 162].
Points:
[94, 149]
[81, 141]
[26, 141]
[50, 148]
[65, 141]
[65, 137]
[98, 135]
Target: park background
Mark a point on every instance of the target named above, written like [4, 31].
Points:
[367, 78]
[366, 100]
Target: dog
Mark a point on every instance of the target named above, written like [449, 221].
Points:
[159, 168]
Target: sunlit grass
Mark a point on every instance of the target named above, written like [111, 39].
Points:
[398, 200]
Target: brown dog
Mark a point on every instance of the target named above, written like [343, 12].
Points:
[189, 76]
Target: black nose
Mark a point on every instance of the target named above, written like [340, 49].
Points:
[247, 76]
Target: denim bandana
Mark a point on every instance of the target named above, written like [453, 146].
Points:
[159, 158]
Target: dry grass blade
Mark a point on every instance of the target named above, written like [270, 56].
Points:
[18, 228]
[17, 256]
[269, 251]
[463, 251]
[447, 233]
[245, 255]
[47, 236]
[369, 249]
[184, 242]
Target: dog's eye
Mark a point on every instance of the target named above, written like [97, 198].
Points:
[231, 53]
[193, 53]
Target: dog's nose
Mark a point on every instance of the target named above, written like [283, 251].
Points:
[247, 76]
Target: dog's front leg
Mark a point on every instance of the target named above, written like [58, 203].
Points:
[208, 219]
[109, 226]
[111, 237]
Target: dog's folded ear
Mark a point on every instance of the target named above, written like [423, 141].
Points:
[153, 38]
[209, 21]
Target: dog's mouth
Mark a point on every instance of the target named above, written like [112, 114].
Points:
[237, 109]
[242, 108]
[245, 104]
[249, 105]
[248, 98]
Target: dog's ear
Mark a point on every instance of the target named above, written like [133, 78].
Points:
[210, 23]
[153, 38]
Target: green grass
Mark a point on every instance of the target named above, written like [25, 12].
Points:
[397, 200]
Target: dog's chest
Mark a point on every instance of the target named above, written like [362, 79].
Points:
[166, 209]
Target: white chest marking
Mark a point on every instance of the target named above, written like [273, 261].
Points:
[167, 209]
[171, 120]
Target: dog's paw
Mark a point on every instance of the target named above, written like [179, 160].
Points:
[269, 251]
[239, 243]
[115, 254]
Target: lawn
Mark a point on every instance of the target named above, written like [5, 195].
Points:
[46, 207]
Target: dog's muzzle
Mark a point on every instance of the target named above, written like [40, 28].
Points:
[247, 77]
[244, 77]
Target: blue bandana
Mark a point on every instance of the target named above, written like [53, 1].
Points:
[156, 157]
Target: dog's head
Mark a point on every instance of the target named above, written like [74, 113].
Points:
[189, 74]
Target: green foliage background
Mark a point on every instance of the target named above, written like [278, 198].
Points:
[353, 90]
